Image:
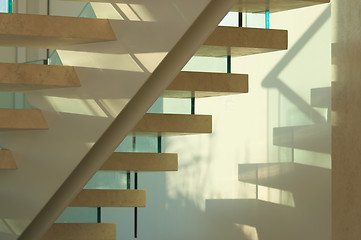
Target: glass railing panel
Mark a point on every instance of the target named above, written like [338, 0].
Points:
[178, 105]
[126, 145]
[108, 180]
[256, 20]
[206, 64]
[54, 59]
[6, 6]
[78, 215]
[146, 144]
[157, 106]
[14, 100]
[230, 20]
[87, 12]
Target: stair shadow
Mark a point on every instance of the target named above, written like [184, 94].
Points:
[288, 223]
[286, 176]
[315, 138]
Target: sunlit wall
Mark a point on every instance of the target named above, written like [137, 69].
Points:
[264, 173]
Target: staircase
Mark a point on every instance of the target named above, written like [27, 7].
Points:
[91, 107]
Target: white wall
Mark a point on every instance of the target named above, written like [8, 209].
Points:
[235, 183]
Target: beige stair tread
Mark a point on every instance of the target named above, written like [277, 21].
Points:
[273, 5]
[22, 119]
[7, 161]
[109, 198]
[81, 231]
[133, 161]
[21, 77]
[173, 124]
[249, 5]
[203, 84]
[237, 41]
[41, 31]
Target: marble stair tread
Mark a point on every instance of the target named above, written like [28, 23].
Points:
[22, 77]
[41, 31]
[235, 41]
[203, 84]
[7, 161]
[173, 124]
[22, 119]
[134, 161]
[248, 5]
[273, 5]
[109, 198]
[81, 231]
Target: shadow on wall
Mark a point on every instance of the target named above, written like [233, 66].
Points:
[289, 197]
[293, 198]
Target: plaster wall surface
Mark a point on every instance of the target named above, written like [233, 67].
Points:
[265, 172]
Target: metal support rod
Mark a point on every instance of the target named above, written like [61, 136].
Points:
[135, 209]
[134, 145]
[10, 6]
[48, 50]
[240, 19]
[229, 63]
[99, 215]
[193, 105]
[159, 143]
[267, 19]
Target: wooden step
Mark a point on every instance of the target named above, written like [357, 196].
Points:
[81, 231]
[273, 5]
[41, 31]
[173, 124]
[109, 198]
[237, 41]
[202, 84]
[21, 77]
[253, 6]
[133, 161]
[22, 119]
[7, 161]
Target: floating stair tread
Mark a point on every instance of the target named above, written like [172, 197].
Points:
[237, 41]
[109, 198]
[41, 31]
[173, 124]
[202, 84]
[22, 119]
[7, 161]
[81, 231]
[133, 161]
[21, 77]
[273, 5]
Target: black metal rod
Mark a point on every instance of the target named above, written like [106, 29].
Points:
[135, 209]
[193, 105]
[48, 50]
[135, 222]
[240, 20]
[99, 215]
[159, 143]
[135, 180]
[128, 180]
[229, 62]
